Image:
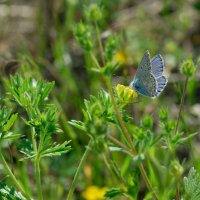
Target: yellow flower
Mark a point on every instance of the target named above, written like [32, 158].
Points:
[126, 94]
[121, 57]
[94, 193]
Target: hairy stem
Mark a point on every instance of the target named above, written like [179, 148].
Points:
[115, 141]
[36, 161]
[12, 176]
[81, 164]
[38, 178]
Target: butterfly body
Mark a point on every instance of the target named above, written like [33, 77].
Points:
[149, 79]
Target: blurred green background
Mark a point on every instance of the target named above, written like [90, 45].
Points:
[36, 39]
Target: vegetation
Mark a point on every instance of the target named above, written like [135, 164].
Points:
[72, 128]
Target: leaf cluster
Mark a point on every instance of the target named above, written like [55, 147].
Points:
[9, 193]
[192, 184]
[97, 114]
[6, 122]
[32, 95]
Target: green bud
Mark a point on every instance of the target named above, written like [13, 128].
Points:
[163, 114]
[169, 126]
[188, 68]
[93, 13]
[177, 168]
[147, 122]
[111, 46]
[83, 35]
[109, 69]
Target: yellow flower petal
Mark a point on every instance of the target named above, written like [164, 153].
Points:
[121, 57]
[126, 94]
[94, 193]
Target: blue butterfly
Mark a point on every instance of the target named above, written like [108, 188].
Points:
[149, 79]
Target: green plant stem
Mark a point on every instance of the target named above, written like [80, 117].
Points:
[177, 123]
[81, 164]
[38, 178]
[128, 137]
[32, 131]
[12, 176]
[181, 104]
[177, 193]
[115, 141]
[36, 161]
[100, 43]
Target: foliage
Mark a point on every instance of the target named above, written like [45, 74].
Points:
[10, 193]
[192, 184]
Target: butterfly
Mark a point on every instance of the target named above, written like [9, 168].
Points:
[149, 79]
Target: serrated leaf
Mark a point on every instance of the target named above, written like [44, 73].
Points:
[10, 193]
[78, 124]
[192, 184]
[26, 147]
[10, 136]
[56, 150]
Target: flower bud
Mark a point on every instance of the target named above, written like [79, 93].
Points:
[147, 122]
[94, 13]
[83, 36]
[163, 114]
[188, 68]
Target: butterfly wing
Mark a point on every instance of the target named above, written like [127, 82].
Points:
[145, 65]
[144, 81]
[157, 66]
[161, 83]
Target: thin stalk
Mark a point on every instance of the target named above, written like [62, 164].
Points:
[108, 166]
[32, 132]
[177, 193]
[128, 137]
[33, 139]
[115, 141]
[181, 104]
[100, 43]
[38, 178]
[81, 164]
[12, 176]
[36, 161]
[177, 123]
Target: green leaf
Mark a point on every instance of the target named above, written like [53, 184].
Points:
[56, 150]
[114, 192]
[78, 124]
[118, 149]
[182, 140]
[10, 122]
[192, 184]
[10, 193]
[10, 136]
